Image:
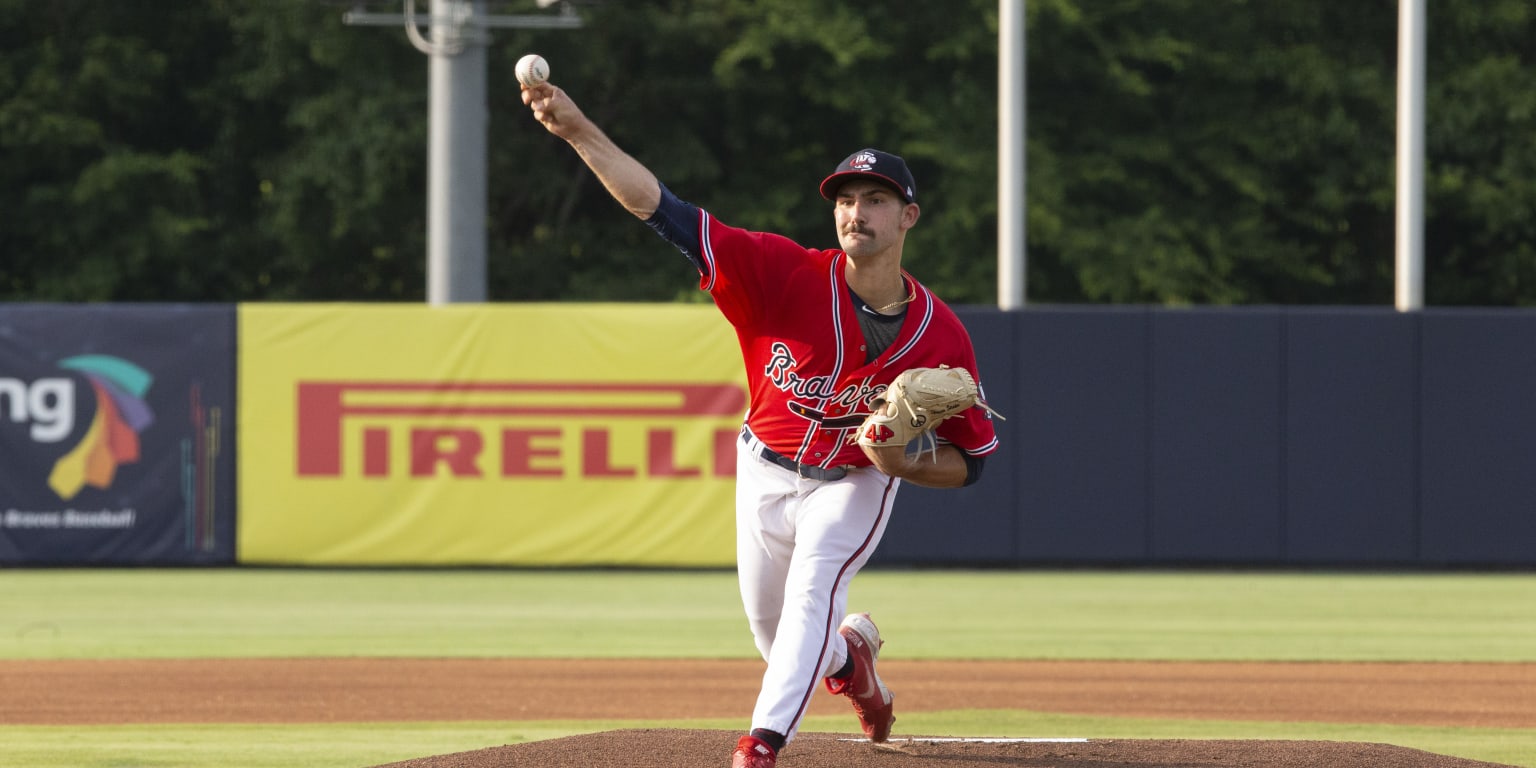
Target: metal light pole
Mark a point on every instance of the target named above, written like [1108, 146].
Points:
[456, 143]
[1410, 154]
[1010, 154]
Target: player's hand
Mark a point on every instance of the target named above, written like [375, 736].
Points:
[555, 110]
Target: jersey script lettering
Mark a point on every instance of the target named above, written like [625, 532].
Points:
[781, 371]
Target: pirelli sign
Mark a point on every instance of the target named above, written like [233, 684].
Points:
[510, 429]
[523, 435]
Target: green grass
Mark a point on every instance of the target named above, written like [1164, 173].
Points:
[937, 614]
[257, 746]
[1510, 746]
[1135, 615]
[294, 613]
[1207, 616]
[350, 744]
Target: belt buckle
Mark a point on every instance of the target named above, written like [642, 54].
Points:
[825, 474]
[809, 471]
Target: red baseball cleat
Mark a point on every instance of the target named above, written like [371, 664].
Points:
[752, 752]
[872, 701]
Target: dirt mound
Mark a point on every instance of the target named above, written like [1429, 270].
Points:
[711, 749]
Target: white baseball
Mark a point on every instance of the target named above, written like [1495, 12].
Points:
[532, 70]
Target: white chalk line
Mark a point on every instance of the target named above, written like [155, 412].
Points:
[982, 741]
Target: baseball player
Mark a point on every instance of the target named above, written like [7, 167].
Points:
[823, 335]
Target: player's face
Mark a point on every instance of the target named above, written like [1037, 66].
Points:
[870, 217]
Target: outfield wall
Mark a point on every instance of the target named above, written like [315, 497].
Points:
[572, 435]
[1277, 436]
[116, 434]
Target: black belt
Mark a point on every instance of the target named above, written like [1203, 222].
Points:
[806, 471]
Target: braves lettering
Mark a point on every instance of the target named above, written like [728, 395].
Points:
[781, 371]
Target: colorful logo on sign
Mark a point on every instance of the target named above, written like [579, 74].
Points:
[113, 437]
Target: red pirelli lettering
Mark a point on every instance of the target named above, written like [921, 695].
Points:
[520, 448]
[455, 449]
[324, 408]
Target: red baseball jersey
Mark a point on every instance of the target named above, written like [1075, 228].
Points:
[805, 353]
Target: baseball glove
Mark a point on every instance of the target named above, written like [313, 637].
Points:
[916, 402]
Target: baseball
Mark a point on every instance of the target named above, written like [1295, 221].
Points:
[532, 70]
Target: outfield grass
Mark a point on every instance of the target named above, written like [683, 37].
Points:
[937, 614]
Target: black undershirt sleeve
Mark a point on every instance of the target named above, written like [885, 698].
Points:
[678, 223]
[973, 466]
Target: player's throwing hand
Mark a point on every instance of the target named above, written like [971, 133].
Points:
[555, 110]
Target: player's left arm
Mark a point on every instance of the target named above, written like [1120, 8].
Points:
[959, 440]
[943, 467]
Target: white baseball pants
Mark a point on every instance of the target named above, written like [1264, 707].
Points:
[799, 543]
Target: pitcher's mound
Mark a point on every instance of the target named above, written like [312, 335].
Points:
[712, 749]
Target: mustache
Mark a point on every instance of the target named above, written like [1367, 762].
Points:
[857, 230]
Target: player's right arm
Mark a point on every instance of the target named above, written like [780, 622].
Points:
[637, 189]
[630, 183]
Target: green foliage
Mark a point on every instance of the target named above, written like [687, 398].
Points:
[1481, 182]
[1179, 151]
[1215, 153]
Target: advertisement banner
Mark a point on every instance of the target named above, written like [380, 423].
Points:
[115, 444]
[548, 434]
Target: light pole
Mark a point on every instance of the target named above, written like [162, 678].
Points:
[1410, 155]
[456, 133]
[1011, 208]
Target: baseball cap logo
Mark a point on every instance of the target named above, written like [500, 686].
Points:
[875, 165]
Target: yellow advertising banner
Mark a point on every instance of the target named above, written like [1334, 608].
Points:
[547, 434]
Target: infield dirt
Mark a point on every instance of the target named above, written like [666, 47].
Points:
[407, 690]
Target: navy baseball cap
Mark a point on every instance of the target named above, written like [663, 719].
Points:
[875, 165]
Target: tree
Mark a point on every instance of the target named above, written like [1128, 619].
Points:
[1180, 151]
[1480, 176]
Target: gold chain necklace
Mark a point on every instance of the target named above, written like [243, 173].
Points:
[910, 297]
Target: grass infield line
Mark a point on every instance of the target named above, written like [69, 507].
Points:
[364, 744]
